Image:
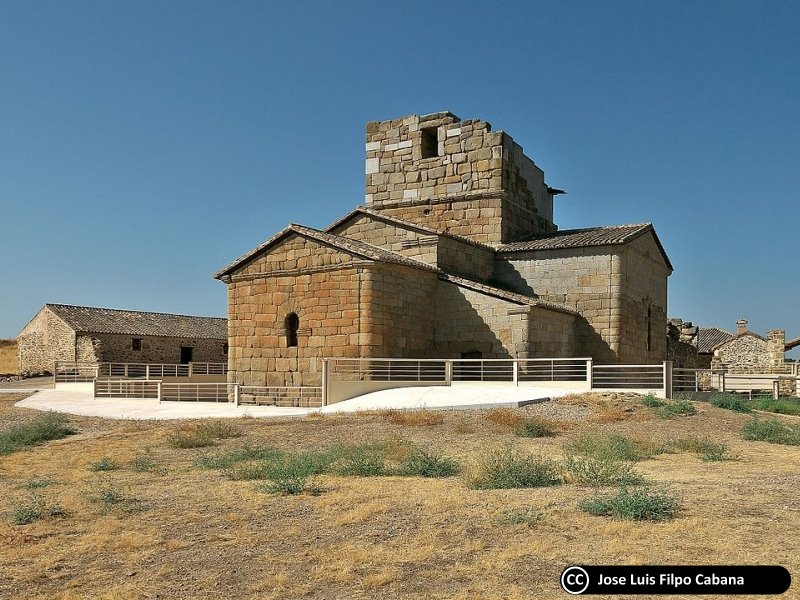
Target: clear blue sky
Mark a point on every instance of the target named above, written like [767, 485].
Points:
[145, 144]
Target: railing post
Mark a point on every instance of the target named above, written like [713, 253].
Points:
[94, 389]
[236, 394]
[515, 372]
[722, 381]
[158, 390]
[448, 372]
[776, 389]
[147, 372]
[191, 369]
[325, 373]
[667, 379]
[126, 370]
[590, 373]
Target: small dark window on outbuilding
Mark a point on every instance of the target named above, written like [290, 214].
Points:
[136, 344]
[430, 142]
[225, 349]
[291, 323]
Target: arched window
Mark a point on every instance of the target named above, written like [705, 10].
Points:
[291, 323]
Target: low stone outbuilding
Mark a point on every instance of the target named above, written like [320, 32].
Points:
[61, 332]
[747, 352]
[454, 255]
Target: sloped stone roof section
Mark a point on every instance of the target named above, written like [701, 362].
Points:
[360, 210]
[505, 294]
[339, 242]
[708, 338]
[611, 235]
[87, 319]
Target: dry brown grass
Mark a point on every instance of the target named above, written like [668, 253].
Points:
[504, 417]
[413, 418]
[200, 535]
[9, 364]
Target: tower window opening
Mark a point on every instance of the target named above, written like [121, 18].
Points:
[430, 142]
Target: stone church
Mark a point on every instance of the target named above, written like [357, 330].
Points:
[455, 254]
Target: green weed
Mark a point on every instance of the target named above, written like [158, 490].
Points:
[638, 503]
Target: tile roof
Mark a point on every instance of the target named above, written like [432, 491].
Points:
[506, 295]
[88, 319]
[791, 344]
[582, 238]
[406, 225]
[351, 246]
[710, 337]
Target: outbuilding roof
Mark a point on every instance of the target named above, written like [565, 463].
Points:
[88, 319]
[582, 238]
[710, 337]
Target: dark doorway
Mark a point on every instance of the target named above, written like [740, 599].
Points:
[186, 354]
[472, 354]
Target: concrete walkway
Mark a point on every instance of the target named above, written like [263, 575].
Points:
[80, 402]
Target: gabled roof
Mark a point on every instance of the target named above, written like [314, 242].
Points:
[339, 242]
[710, 337]
[360, 210]
[611, 235]
[739, 335]
[87, 319]
[504, 294]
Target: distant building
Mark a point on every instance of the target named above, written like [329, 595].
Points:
[61, 332]
[455, 254]
[707, 339]
[747, 352]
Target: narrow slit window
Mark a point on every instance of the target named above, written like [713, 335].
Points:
[649, 327]
[430, 142]
[136, 344]
[225, 349]
[291, 324]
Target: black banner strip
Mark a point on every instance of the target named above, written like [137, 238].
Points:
[729, 580]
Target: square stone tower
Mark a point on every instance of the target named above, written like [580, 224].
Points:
[456, 176]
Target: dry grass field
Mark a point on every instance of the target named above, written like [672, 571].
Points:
[8, 357]
[161, 526]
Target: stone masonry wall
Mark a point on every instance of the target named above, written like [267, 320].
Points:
[399, 316]
[471, 321]
[474, 169]
[325, 293]
[105, 347]
[643, 314]
[746, 354]
[449, 254]
[413, 244]
[586, 279]
[43, 341]
[472, 262]
[468, 321]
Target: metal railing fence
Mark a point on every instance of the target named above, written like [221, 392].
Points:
[68, 371]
